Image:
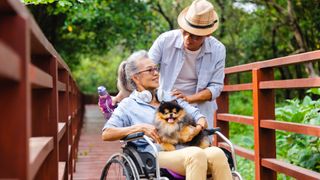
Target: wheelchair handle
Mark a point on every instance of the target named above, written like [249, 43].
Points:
[213, 130]
[132, 137]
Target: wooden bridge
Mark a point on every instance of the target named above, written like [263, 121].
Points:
[42, 111]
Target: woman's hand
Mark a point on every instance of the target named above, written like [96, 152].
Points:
[149, 130]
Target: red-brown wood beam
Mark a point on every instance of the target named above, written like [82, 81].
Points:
[63, 77]
[289, 169]
[45, 116]
[281, 61]
[238, 87]
[248, 120]
[264, 139]
[306, 129]
[15, 102]
[292, 83]
[223, 101]
[243, 152]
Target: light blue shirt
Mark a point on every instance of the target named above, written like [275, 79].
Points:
[168, 51]
[132, 110]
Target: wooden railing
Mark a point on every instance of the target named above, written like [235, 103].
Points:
[40, 104]
[263, 120]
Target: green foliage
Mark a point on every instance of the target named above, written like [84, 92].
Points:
[297, 149]
[300, 149]
[80, 28]
[38, 1]
[245, 168]
[241, 104]
[89, 72]
[83, 32]
[242, 135]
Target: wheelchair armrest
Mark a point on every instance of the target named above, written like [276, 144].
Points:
[133, 136]
[213, 130]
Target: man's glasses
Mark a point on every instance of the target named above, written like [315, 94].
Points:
[150, 70]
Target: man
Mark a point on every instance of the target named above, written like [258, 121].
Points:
[191, 60]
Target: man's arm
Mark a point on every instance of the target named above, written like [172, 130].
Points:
[204, 95]
[156, 50]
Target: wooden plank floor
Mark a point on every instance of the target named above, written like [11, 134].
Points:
[93, 152]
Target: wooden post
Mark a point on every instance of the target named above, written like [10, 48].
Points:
[263, 108]
[15, 100]
[71, 126]
[63, 117]
[45, 115]
[223, 107]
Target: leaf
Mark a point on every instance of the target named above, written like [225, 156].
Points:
[314, 91]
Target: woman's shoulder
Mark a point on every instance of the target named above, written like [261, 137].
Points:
[126, 102]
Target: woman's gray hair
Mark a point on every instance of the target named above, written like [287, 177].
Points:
[129, 68]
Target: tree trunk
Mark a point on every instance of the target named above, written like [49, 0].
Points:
[159, 9]
[291, 20]
[299, 37]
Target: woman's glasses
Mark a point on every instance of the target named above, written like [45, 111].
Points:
[152, 70]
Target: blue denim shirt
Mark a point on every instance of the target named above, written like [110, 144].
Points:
[132, 110]
[168, 52]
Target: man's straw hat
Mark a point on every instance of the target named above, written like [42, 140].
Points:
[199, 18]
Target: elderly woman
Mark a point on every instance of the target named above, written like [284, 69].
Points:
[136, 112]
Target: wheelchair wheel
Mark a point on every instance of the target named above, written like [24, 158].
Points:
[119, 167]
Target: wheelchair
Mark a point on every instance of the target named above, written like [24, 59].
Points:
[131, 164]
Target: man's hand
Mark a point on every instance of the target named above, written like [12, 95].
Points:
[201, 96]
[177, 93]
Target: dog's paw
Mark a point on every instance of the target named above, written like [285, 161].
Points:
[186, 134]
[168, 147]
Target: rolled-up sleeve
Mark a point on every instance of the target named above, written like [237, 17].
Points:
[155, 52]
[192, 111]
[215, 85]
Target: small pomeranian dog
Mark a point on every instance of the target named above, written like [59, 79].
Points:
[174, 126]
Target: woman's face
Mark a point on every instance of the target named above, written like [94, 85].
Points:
[147, 75]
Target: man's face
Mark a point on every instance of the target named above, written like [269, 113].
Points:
[191, 41]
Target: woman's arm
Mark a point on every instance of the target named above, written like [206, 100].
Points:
[117, 133]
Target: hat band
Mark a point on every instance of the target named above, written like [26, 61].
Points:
[201, 27]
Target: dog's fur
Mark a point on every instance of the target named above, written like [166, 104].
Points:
[174, 127]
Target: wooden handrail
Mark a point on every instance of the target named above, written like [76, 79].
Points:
[235, 118]
[41, 105]
[282, 61]
[299, 128]
[263, 86]
[289, 169]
